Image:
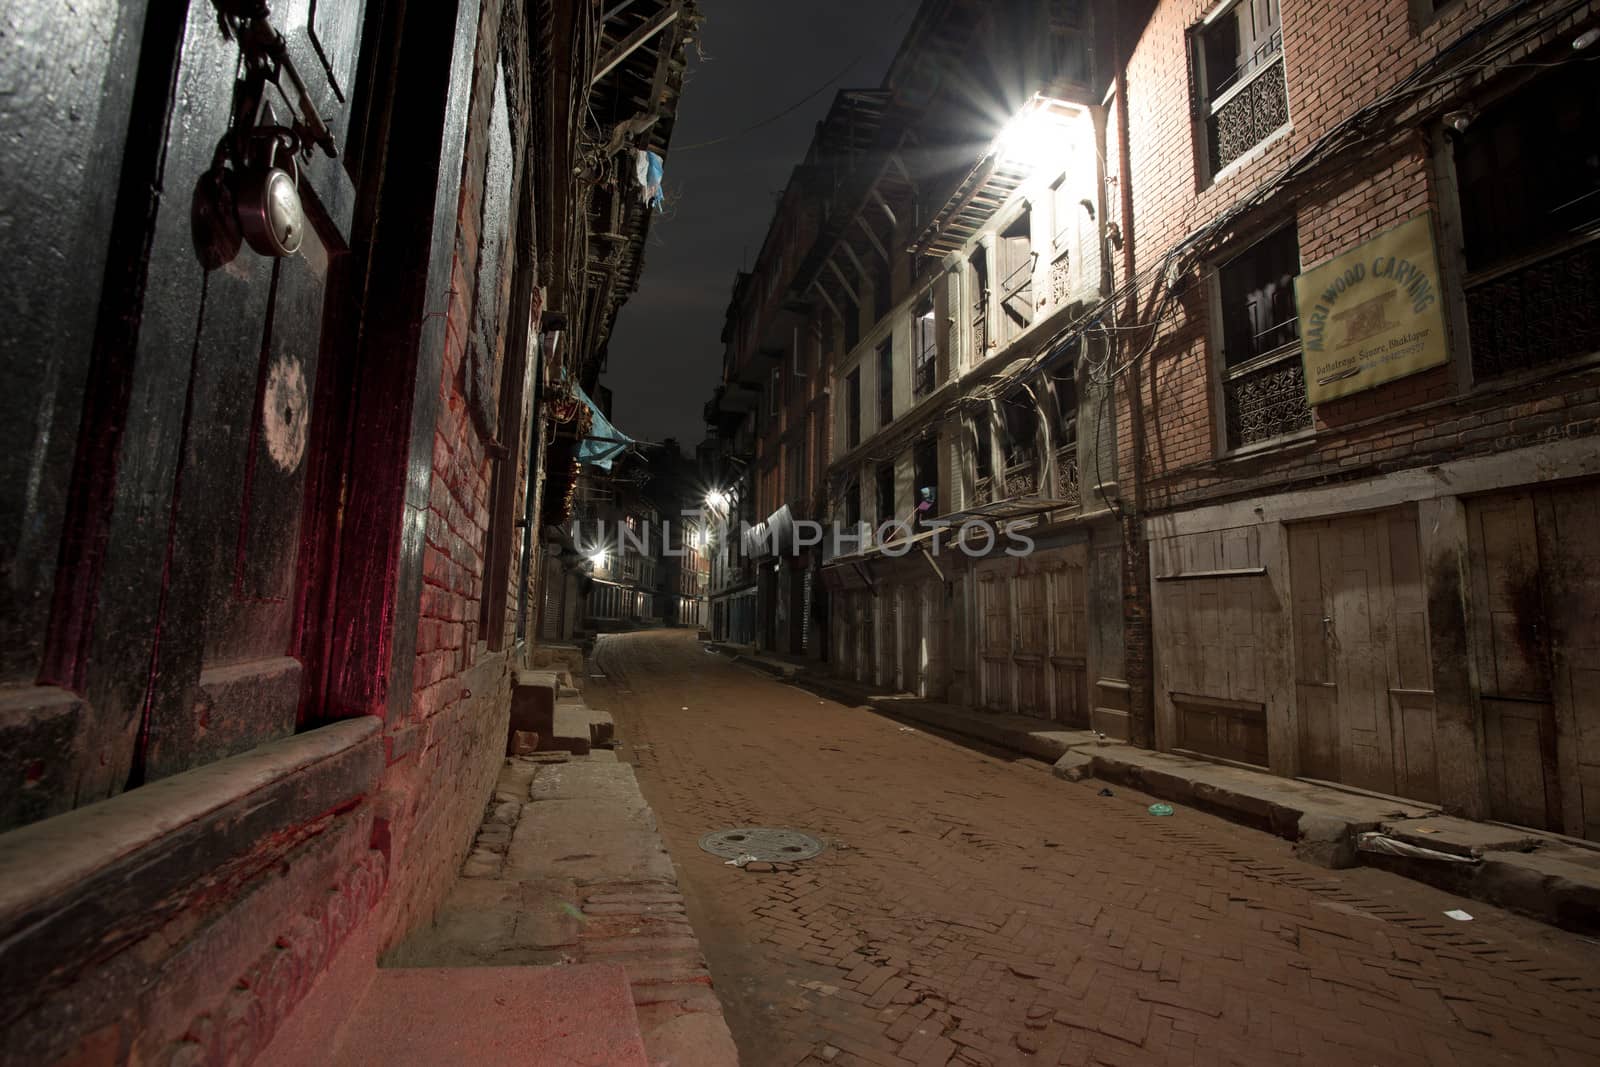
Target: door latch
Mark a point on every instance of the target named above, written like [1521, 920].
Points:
[266, 56]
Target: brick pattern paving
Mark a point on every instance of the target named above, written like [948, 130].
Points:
[974, 910]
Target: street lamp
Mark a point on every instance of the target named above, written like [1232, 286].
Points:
[597, 558]
[717, 500]
[1036, 135]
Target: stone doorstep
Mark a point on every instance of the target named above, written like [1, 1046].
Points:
[1545, 876]
[488, 1016]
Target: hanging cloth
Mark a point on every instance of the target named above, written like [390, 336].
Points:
[647, 169]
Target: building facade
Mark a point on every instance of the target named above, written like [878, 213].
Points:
[1279, 354]
[1362, 395]
[263, 616]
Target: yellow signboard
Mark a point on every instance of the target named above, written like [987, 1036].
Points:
[1373, 314]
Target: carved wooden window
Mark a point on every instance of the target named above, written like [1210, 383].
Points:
[852, 505]
[1020, 421]
[852, 412]
[925, 475]
[1063, 379]
[886, 382]
[982, 458]
[978, 266]
[1240, 90]
[1529, 181]
[924, 348]
[1263, 381]
[885, 480]
[1016, 277]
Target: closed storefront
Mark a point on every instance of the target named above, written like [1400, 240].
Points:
[1363, 681]
[1535, 633]
[1033, 635]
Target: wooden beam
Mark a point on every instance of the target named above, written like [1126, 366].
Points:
[826, 299]
[887, 210]
[854, 261]
[634, 40]
[861, 220]
[843, 284]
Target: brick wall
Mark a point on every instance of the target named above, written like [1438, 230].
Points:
[444, 756]
[1337, 59]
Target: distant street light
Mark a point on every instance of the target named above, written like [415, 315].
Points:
[717, 500]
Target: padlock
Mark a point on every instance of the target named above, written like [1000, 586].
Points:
[267, 196]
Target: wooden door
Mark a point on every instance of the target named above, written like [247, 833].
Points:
[1069, 642]
[1570, 546]
[994, 637]
[1363, 681]
[205, 513]
[1032, 647]
[1510, 642]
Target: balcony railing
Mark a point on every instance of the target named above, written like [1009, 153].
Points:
[923, 376]
[1266, 398]
[1067, 489]
[1244, 115]
[1021, 478]
[1537, 313]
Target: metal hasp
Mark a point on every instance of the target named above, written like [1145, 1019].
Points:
[764, 843]
[266, 56]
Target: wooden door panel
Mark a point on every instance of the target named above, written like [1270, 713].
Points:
[1519, 749]
[1364, 703]
[1503, 539]
[1416, 767]
[1508, 633]
[1570, 552]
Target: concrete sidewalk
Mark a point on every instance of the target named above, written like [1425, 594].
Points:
[569, 874]
[1546, 876]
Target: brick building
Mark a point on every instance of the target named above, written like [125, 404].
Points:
[1272, 329]
[1369, 569]
[262, 618]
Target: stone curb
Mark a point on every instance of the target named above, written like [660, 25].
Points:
[1543, 876]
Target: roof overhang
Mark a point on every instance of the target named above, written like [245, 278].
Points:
[1022, 149]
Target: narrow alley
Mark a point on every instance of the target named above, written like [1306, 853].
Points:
[973, 909]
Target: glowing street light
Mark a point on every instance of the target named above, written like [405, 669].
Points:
[1036, 135]
[716, 499]
[598, 558]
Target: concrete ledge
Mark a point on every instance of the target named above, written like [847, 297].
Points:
[1547, 877]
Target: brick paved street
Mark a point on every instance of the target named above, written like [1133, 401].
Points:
[974, 909]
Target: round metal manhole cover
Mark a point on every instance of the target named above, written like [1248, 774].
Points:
[761, 842]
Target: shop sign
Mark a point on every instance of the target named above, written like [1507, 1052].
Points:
[1372, 314]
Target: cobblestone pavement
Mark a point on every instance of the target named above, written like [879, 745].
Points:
[974, 909]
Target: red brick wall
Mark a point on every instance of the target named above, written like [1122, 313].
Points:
[444, 756]
[1338, 57]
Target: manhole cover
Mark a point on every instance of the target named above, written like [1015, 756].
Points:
[762, 842]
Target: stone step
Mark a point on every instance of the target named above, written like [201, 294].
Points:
[569, 730]
[533, 702]
[492, 1016]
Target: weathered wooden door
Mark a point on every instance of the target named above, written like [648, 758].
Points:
[1363, 684]
[1569, 545]
[1069, 639]
[228, 358]
[1509, 636]
[1030, 655]
[994, 635]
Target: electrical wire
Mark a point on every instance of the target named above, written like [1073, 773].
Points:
[812, 95]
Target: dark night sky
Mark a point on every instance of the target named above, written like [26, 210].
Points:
[760, 57]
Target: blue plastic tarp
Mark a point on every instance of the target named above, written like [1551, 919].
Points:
[605, 442]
